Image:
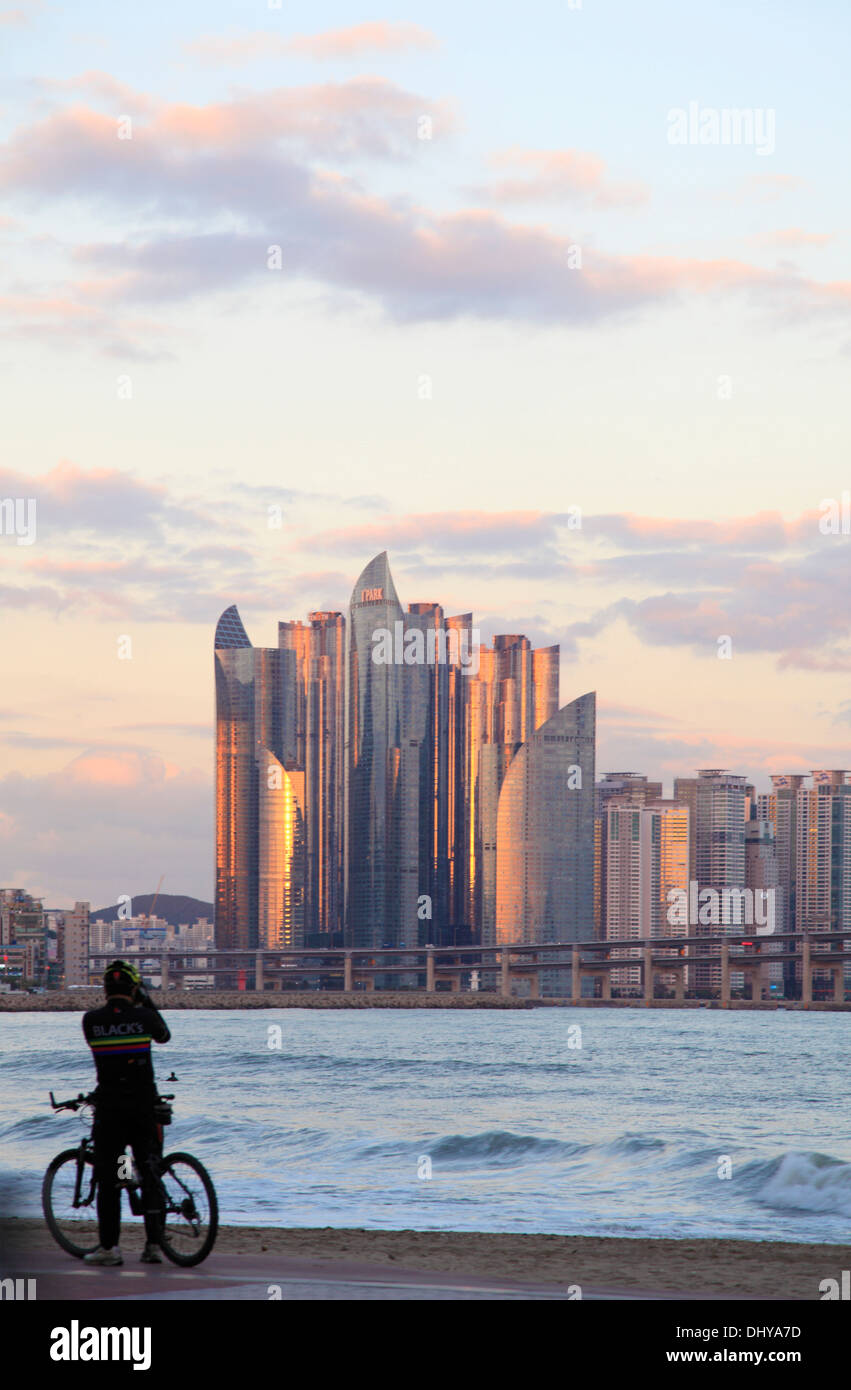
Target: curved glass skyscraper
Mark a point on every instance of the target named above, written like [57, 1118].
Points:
[386, 714]
[236, 785]
[255, 749]
[545, 832]
[388, 782]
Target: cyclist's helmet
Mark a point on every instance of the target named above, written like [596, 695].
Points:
[121, 978]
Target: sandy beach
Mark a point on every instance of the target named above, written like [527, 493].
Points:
[710, 1268]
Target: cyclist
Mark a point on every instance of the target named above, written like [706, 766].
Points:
[120, 1035]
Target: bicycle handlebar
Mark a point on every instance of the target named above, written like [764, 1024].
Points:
[84, 1100]
[71, 1104]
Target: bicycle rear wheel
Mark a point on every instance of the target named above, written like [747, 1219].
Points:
[191, 1220]
[74, 1228]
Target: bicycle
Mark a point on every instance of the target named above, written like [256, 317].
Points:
[69, 1190]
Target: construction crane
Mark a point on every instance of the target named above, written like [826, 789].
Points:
[146, 916]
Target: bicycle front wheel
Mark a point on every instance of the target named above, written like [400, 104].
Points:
[191, 1217]
[69, 1208]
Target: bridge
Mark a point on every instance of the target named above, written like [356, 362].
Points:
[819, 952]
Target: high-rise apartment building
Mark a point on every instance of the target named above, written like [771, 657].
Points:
[23, 925]
[236, 892]
[824, 855]
[717, 802]
[406, 724]
[360, 768]
[279, 784]
[73, 944]
[762, 877]
[647, 858]
[780, 808]
[318, 690]
[514, 693]
[622, 788]
[545, 836]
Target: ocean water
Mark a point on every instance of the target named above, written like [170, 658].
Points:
[519, 1128]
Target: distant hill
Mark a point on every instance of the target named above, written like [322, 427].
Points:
[171, 906]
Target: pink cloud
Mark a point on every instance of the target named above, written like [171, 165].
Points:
[376, 37]
[766, 188]
[792, 237]
[471, 528]
[765, 530]
[364, 115]
[21, 14]
[114, 770]
[556, 175]
[418, 265]
[105, 87]
[373, 38]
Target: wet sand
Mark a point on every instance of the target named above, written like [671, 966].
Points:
[702, 1268]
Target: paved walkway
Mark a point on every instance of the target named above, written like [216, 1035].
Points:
[251, 1277]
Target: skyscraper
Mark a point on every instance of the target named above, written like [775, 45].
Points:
[236, 786]
[282, 853]
[360, 769]
[545, 835]
[762, 874]
[386, 721]
[260, 850]
[780, 808]
[716, 800]
[625, 789]
[514, 693]
[648, 853]
[318, 651]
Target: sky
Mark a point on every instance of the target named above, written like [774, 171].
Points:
[508, 293]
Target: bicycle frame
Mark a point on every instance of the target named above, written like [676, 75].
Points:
[175, 1185]
[86, 1150]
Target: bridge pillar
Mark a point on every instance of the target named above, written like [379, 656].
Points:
[535, 983]
[164, 972]
[348, 984]
[258, 971]
[806, 973]
[725, 974]
[680, 985]
[430, 969]
[838, 974]
[575, 977]
[648, 974]
[606, 984]
[505, 977]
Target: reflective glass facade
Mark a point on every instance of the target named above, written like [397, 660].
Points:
[515, 692]
[236, 786]
[386, 722]
[281, 853]
[255, 714]
[365, 783]
[545, 832]
[318, 650]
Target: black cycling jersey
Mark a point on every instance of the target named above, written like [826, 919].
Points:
[120, 1034]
